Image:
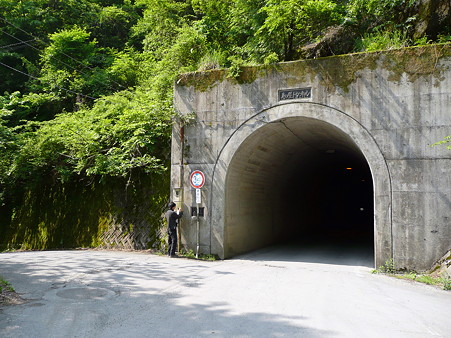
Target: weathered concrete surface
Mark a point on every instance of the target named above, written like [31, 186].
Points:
[382, 109]
[270, 293]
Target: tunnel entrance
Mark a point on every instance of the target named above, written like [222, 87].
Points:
[299, 181]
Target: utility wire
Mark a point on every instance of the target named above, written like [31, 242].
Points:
[16, 44]
[62, 62]
[24, 31]
[34, 77]
[70, 57]
[67, 90]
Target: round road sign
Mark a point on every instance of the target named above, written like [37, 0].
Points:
[197, 179]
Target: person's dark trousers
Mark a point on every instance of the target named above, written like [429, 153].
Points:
[172, 241]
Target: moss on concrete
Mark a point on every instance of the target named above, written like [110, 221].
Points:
[335, 71]
[416, 62]
[202, 81]
[249, 74]
[53, 215]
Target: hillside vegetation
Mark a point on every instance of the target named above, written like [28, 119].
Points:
[86, 93]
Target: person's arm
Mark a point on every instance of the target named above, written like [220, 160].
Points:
[179, 214]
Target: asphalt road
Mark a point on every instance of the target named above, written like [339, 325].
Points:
[275, 292]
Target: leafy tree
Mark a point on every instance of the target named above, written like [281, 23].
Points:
[114, 24]
[13, 70]
[74, 64]
[71, 45]
[119, 134]
[7, 146]
[183, 56]
[160, 22]
[245, 19]
[291, 23]
[370, 14]
[125, 68]
[20, 108]
[27, 27]
[213, 22]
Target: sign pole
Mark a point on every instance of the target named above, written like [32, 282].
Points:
[197, 180]
[198, 232]
[198, 201]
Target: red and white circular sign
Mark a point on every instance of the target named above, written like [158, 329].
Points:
[197, 179]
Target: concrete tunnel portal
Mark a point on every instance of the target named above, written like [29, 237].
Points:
[298, 180]
[274, 145]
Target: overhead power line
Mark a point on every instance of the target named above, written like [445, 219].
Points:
[16, 45]
[62, 62]
[24, 31]
[36, 78]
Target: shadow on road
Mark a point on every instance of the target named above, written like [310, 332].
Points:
[147, 299]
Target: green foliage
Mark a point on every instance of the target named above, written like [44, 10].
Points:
[212, 60]
[388, 267]
[117, 135]
[446, 283]
[291, 23]
[446, 139]
[5, 285]
[443, 38]
[373, 13]
[184, 55]
[8, 145]
[383, 40]
[159, 24]
[30, 107]
[385, 24]
[431, 279]
[73, 42]
[192, 255]
[212, 24]
[12, 80]
[115, 23]
[125, 68]
[426, 279]
[235, 66]
[74, 64]
[245, 19]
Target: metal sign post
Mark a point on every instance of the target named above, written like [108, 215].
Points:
[198, 201]
[197, 180]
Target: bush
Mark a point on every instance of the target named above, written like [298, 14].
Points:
[382, 40]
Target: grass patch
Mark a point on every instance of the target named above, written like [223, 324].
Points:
[431, 279]
[5, 286]
[443, 282]
[383, 40]
[8, 295]
[192, 255]
[388, 267]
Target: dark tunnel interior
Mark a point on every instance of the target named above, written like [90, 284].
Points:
[298, 181]
[331, 201]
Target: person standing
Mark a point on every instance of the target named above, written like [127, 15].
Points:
[172, 218]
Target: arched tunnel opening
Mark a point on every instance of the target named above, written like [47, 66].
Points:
[298, 181]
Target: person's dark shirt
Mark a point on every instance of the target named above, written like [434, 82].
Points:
[172, 217]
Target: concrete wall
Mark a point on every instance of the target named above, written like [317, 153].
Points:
[387, 108]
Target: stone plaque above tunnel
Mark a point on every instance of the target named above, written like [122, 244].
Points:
[295, 94]
[253, 134]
